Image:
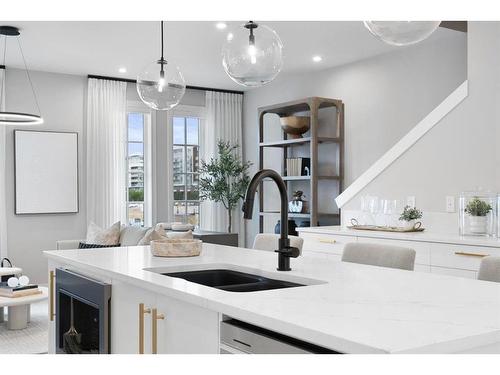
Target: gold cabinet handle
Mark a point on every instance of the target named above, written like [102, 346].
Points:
[471, 254]
[328, 241]
[154, 330]
[142, 311]
[51, 295]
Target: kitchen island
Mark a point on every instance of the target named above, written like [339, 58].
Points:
[345, 307]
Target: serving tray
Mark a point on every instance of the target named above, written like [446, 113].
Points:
[381, 228]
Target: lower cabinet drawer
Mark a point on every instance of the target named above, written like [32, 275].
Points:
[460, 257]
[325, 243]
[319, 255]
[422, 249]
[454, 272]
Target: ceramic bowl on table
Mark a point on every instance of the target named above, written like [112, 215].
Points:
[176, 248]
[295, 126]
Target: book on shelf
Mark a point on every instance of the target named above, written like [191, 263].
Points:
[18, 291]
[298, 166]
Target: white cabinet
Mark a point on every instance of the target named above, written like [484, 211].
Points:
[460, 257]
[436, 257]
[324, 243]
[127, 335]
[454, 272]
[52, 307]
[143, 321]
[186, 328]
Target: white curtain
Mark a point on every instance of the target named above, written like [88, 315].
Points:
[106, 151]
[223, 121]
[3, 208]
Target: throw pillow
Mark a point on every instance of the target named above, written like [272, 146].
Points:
[152, 234]
[109, 236]
[131, 235]
[83, 245]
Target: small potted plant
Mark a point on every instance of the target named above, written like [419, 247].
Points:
[477, 209]
[409, 216]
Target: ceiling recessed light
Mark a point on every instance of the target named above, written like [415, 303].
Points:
[220, 25]
[317, 58]
[122, 70]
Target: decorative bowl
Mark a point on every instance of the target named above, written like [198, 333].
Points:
[176, 248]
[295, 126]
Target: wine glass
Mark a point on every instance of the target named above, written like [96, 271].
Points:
[390, 209]
[374, 207]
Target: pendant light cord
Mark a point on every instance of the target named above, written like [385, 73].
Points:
[29, 77]
[162, 40]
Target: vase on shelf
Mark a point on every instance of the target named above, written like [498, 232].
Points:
[298, 204]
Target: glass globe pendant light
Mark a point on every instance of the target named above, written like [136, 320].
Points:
[252, 54]
[17, 118]
[402, 33]
[161, 85]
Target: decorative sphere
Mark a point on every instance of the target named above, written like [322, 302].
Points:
[13, 282]
[24, 280]
[161, 92]
[252, 64]
[402, 33]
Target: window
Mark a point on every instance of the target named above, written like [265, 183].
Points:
[186, 149]
[135, 168]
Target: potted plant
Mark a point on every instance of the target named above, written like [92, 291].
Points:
[225, 178]
[409, 216]
[478, 210]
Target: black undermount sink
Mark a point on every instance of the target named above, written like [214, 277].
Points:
[232, 281]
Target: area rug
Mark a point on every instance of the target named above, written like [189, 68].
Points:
[31, 340]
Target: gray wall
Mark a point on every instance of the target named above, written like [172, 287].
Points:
[461, 152]
[384, 97]
[62, 101]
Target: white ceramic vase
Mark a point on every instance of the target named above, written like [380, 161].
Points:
[477, 224]
[409, 224]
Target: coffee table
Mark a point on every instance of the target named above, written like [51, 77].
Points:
[5, 271]
[19, 308]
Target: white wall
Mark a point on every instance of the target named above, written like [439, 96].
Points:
[384, 97]
[62, 101]
[461, 152]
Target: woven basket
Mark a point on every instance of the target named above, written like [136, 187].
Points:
[176, 248]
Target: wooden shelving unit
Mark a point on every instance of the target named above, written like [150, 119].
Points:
[312, 106]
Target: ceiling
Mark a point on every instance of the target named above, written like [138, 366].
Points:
[101, 48]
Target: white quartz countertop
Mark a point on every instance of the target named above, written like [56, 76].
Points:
[424, 236]
[357, 308]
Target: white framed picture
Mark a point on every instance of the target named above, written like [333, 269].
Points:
[46, 172]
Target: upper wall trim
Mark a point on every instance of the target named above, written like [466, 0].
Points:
[187, 87]
[404, 144]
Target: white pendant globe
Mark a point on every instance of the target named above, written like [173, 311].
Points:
[252, 54]
[402, 33]
[161, 91]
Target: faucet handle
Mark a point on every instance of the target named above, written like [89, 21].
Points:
[289, 251]
[294, 252]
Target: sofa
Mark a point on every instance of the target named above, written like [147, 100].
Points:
[131, 235]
